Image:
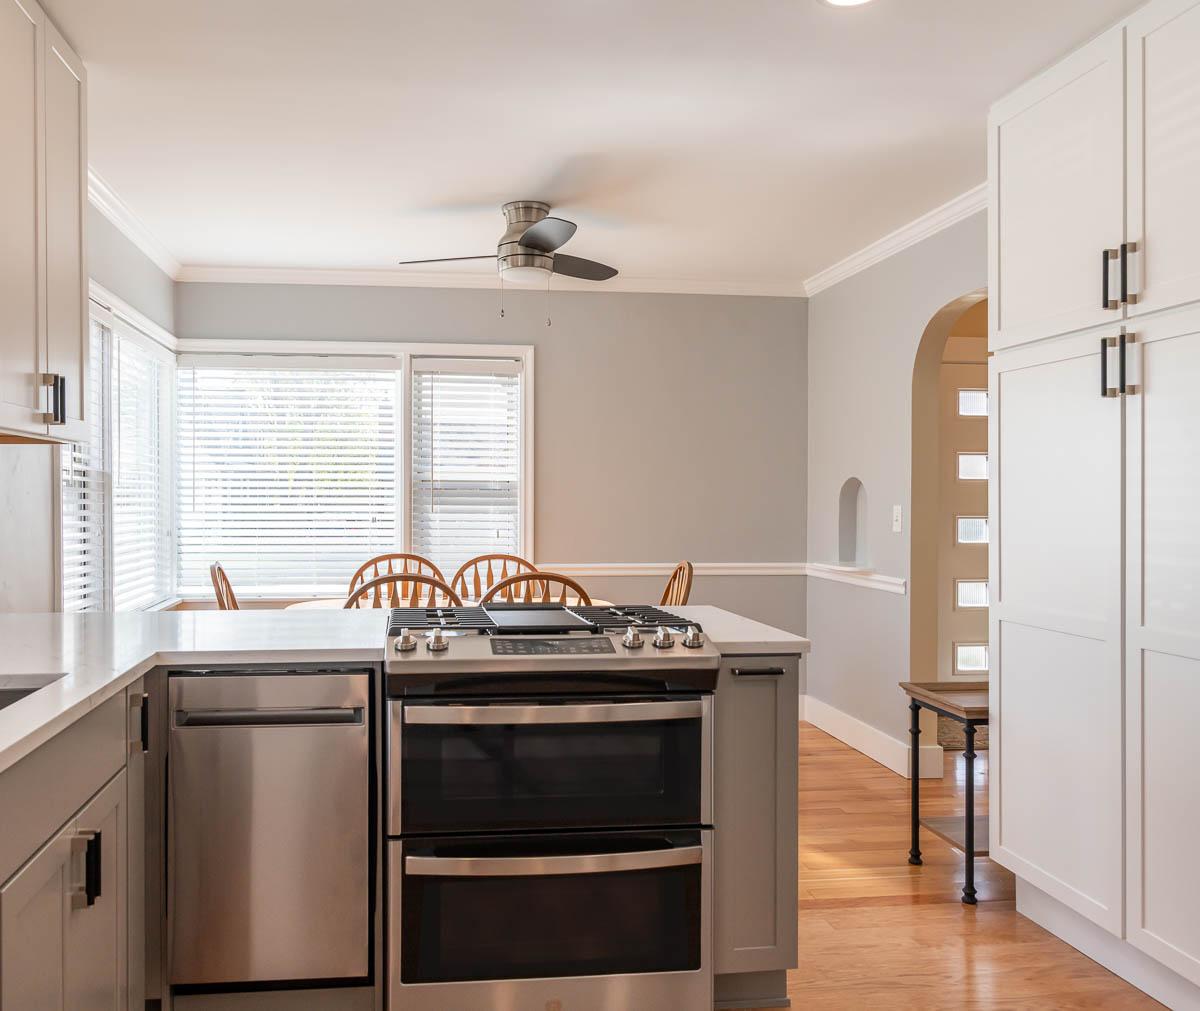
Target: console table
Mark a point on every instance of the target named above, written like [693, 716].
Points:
[966, 702]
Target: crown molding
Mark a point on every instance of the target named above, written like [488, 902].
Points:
[106, 201]
[950, 213]
[393, 278]
[116, 305]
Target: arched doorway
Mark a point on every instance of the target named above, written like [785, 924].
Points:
[948, 542]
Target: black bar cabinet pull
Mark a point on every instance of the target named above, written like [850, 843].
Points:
[1106, 258]
[60, 399]
[758, 672]
[1124, 275]
[144, 718]
[1104, 366]
[1121, 342]
[92, 870]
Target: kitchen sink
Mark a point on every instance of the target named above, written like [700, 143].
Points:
[14, 687]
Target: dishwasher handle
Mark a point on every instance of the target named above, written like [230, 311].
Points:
[313, 717]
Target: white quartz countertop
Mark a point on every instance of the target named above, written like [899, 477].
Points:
[102, 653]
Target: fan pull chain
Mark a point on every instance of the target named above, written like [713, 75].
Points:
[502, 295]
[548, 323]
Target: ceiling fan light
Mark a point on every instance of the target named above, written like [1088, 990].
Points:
[525, 277]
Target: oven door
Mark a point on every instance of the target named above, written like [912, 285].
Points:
[590, 920]
[498, 765]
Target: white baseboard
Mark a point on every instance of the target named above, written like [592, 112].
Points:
[1099, 945]
[871, 741]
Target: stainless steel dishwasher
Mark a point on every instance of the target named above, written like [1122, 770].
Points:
[268, 840]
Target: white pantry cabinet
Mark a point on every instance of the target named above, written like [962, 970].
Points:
[43, 194]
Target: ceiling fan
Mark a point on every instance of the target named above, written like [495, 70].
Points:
[526, 253]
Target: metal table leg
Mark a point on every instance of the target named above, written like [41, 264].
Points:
[969, 865]
[914, 853]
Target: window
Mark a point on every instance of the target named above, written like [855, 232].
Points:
[84, 496]
[287, 476]
[972, 403]
[972, 529]
[466, 460]
[972, 466]
[115, 492]
[970, 658]
[970, 593]
[142, 566]
[294, 469]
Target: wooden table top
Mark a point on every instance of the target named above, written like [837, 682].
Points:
[967, 700]
[333, 603]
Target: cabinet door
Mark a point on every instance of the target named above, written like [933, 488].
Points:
[21, 398]
[754, 802]
[135, 832]
[66, 206]
[1163, 641]
[34, 907]
[1056, 178]
[1055, 624]
[1164, 153]
[95, 957]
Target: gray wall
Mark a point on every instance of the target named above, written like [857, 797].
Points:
[122, 268]
[667, 426]
[863, 339]
[27, 475]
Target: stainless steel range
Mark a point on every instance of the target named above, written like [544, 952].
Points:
[549, 822]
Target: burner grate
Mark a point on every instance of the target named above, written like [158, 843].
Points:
[417, 618]
[624, 615]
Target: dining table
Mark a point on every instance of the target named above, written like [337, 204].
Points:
[334, 603]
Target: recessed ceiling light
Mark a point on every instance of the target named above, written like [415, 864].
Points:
[844, 3]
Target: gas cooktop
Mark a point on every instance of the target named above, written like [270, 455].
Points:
[532, 619]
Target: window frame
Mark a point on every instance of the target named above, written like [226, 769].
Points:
[385, 356]
[987, 466]
[972, 607]
[956, 671]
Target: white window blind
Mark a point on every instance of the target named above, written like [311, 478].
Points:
[287, 476]
[141, 499]
[466, 460]
[84, 511]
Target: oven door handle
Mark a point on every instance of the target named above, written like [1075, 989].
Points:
[506, 715]
[598, 863]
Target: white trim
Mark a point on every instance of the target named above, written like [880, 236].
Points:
[393, 349]
[871, 741]
[122, 310]
[1117, 956]
[394, 278]
[105, 200]
[662, 569]
[857, 577]
[949, 213]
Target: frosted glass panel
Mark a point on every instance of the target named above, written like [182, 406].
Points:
[972, 466]
[971, 593]
[970, 659]
[973, 403]
[972, 530]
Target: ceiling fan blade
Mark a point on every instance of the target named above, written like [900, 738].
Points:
[447, 259]
[548, 234]
[577, 266]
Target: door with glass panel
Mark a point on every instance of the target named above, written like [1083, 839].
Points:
[1055, 449]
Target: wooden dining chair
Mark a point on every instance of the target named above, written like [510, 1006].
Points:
[395, 563]
[478, 575]
[226, 600]
[401, 589]
[534, 588]
[679, 586]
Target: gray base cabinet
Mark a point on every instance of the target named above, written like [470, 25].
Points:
[754, 796]
[72, 908]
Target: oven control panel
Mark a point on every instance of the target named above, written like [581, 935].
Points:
[576, 646]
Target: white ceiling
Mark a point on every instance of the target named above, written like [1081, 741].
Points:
[737, 144]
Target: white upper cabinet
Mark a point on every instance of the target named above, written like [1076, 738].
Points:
[1056, 197]
[43, 194]
[1162, 652]
[66, 208]
[20, 232]
[1164, 154]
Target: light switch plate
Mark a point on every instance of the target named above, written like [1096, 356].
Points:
[897, 523]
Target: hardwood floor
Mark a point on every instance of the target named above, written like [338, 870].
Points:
[880, 934]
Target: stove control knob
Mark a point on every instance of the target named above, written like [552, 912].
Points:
[436, 641]
[694, 638]
[632, 638]
[664, 639]
[407, 641]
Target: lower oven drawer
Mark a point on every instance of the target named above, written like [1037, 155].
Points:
[523, 921]
[497, 765]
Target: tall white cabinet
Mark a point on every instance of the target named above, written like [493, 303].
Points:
[1094, 176]
[43, 203]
